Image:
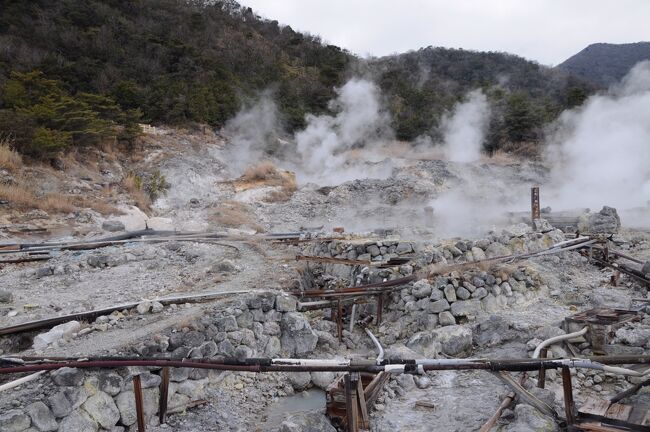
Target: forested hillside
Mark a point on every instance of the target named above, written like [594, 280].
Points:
[74, 72]
[605, 63]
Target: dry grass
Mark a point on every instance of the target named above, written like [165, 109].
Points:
[10, 159]
[262, 171]
[234, 214]
[101, 207]
[523, 150]
[266, 174]
[24, 198]
[133, 185]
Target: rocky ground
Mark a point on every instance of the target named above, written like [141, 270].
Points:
[501, 311]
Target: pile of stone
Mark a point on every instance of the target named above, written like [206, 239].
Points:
[264, 324]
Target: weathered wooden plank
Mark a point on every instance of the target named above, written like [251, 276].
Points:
[595, 406]
[619, 412]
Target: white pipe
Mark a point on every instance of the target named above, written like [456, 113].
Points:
[352, 314]
[380, 357]
[20, 381]
[557, 339]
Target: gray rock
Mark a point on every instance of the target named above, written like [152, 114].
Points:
[404, 248]
[462, 293]
[144, 307]
[300, 380]
[373, 250]
[466, 308]
[55, 334]
[14, 421]
[98, 261]
[285, 303]
[102, 409]
[439, 306]
[156, 307]
[421, 289]
[60, 404]
[453, 339]
[479, 293]
[606, 221]
[646, 268]
[422, 382]
[492, 331]
[41, 416]
[6, 296]
[314, 421]
[446, 318]
[450, 293]
[113, 226]
[322, 380]
[110, 382]
[478, 254]
[126, 405]
[227, 324]
[528, 419]
[436, 294]
[497, 249]
[406, 381]
[44, 272]
[78, 421]
[272, 347]
[245, 320]
[243, 352]
[297, 335]
[424, 344]
[68, 377]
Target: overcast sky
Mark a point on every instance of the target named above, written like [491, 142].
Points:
[548, 31]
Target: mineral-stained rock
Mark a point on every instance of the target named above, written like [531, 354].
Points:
[42, 417]
[68, 376]
[297, 335]
[14, 421]
[102, 409]
[467, 308]
[78, 421]
[310, 421]
[453, 339]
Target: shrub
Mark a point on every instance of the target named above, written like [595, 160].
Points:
[10, 159]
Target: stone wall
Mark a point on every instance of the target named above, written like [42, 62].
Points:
[73, 400]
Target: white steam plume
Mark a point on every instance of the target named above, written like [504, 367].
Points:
[325, 143]
[251, 134]
[464, 130]
[600, 152]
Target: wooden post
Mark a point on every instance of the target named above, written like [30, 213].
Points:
[139, 406]
[164, 394]
[363, 407]
[339, 320]
[534, 203]
[568, 395]
[541, 378]
[380, 307]
[351, 401]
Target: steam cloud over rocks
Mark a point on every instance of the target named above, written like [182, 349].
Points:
[360, 121]
[600, 152]
[464, 129]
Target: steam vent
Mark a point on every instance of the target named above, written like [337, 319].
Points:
[210, 221]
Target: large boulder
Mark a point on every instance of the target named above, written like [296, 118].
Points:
[453, 339]
[102, 409]
[606, 221]
[42, 417]
[424, 344]
[297, 336]
[466, 308]
[311, 421]
[14, 421]
[528, 419]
